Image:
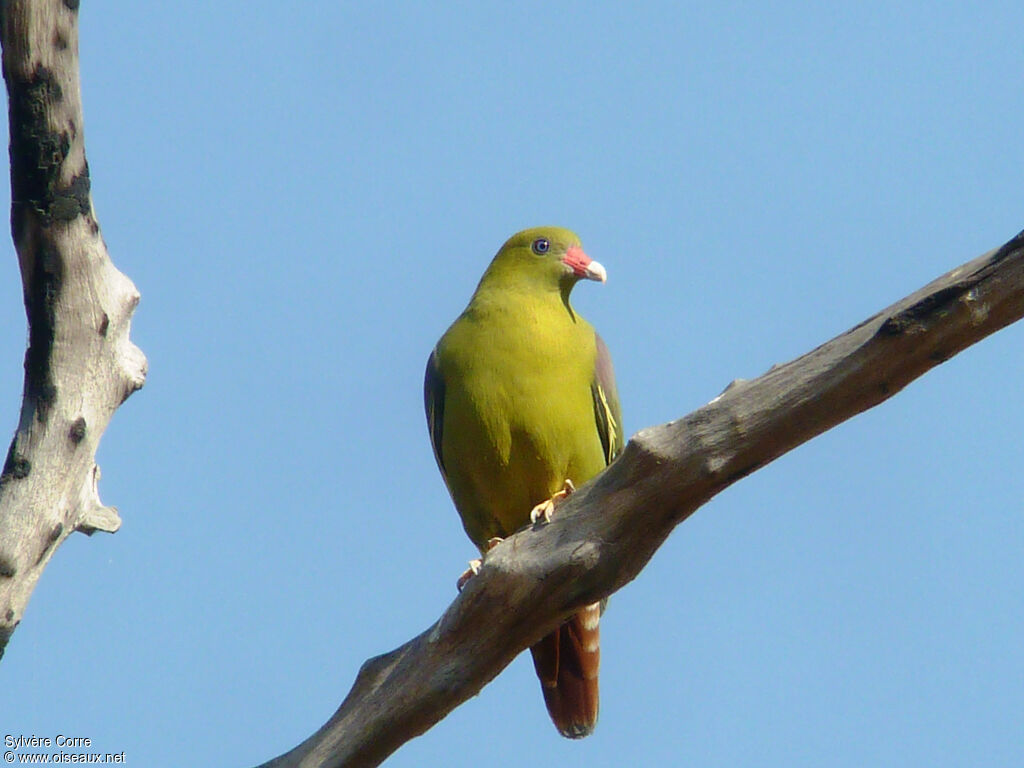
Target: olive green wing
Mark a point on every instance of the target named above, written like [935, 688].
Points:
[607, 411]
[433, 402]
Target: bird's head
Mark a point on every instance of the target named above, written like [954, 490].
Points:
[547, 258]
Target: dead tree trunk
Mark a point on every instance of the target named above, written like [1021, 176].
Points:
[80, 365]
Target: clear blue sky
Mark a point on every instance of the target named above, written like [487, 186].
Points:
[306, 195]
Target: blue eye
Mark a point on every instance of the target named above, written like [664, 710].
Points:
[541, 245]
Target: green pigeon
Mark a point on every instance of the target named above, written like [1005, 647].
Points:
[521, 403]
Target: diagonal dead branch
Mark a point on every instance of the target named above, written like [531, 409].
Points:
[607, 531]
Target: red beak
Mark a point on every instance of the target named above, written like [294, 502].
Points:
[582, 265]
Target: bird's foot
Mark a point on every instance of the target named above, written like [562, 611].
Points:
[469, 573]
[543, 511]
[476, 564]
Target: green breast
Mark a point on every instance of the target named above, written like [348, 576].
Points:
[519, 417]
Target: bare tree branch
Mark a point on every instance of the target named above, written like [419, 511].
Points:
[607, 531]
[80, 365]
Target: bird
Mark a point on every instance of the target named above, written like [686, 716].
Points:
[521, 406]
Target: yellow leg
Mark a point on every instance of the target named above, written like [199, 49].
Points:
[543, 511]
[469, 573]
[475, 565]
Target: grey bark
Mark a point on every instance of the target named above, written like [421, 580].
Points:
[80, 365]
[606, 532]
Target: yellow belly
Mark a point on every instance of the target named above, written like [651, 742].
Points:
[514, 435]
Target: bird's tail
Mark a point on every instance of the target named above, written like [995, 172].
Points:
[567, 661]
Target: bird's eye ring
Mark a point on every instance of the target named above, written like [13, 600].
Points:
[541, 245]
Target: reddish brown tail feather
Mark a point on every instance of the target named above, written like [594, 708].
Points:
[567, 661]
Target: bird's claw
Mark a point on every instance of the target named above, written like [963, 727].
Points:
[543, 511]
[469, 573]
[476, 564]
